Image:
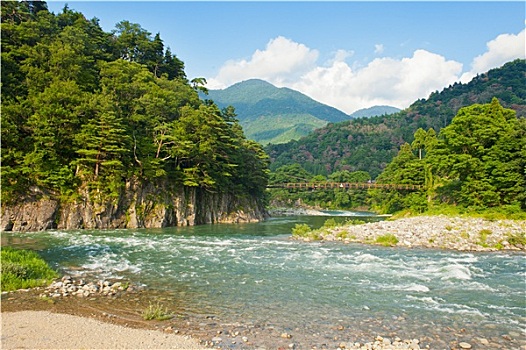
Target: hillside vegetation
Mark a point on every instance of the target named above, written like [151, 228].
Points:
[478, 161]
[86, 113]
[274, 115]
[374, 111]
[369, 144]
[475, 165]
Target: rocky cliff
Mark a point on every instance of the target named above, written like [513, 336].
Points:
[139, 206]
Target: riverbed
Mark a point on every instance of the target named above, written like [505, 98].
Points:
[275, 291]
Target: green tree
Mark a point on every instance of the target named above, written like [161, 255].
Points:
[478, 159]
[58, 114]
[103, 148]
[405, 168]
[419, 141]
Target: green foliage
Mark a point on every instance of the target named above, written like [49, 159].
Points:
[369, 144]
[301, 230]
[483, 236]
[388, 240]
[330, 223]
[518, 239]
[504, 212]
[280, 128]
[354, 222]
[476, 163]
[274, 115]
[87, 110]
[23, 269]
[156, 312]
[338, 198]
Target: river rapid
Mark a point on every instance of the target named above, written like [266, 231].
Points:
[278, 291]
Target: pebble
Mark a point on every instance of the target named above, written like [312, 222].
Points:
[484, 341]
[464, 345]
[455, 233]
[67, 286]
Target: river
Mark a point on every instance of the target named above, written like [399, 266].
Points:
[321, 294]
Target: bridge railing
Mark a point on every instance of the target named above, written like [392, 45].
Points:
[344, 185]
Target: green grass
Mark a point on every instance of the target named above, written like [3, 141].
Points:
[388, 240]
[23, 269]
[511, 212]
[156, 312]
[517, 239]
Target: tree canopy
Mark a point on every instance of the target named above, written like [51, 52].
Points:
[369, 144]
[83, 109]
[475, 162]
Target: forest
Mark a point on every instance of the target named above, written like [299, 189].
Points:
[476, 162]
[369, 144]
[86, 111]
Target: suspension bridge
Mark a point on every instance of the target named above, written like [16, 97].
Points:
[344, 185]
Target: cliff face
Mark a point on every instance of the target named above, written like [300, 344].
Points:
[140, 206]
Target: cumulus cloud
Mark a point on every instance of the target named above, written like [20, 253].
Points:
[502, 49]
[383, 81]
[341, 55]
[282, 61]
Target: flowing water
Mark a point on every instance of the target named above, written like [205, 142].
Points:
[320, 293]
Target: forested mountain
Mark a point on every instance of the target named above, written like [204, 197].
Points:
[88, 114]
[369, 144]
[274, 115]
[476, 162]
[374, 111]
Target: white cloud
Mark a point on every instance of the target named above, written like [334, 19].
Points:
[378, 48]
[502, 49]
[383, 81]
[282, 61]
[341, 55]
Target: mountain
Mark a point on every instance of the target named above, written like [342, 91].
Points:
[374, 111]
[369, 144]
[269, 114]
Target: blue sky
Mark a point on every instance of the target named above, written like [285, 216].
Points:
[347, 54]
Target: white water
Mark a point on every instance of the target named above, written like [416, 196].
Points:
[255, 274]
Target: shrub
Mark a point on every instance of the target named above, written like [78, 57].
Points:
[518, 239]
[483, 234]
[24, 269]
[388, 240]
[301, 230]
[355, 222]
[156, 312]
[330, 223]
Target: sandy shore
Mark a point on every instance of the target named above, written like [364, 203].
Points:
[46, 330]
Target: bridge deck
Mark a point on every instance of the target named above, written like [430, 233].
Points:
[347, 185]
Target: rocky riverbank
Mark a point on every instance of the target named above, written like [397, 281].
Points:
[442, 232]
[117, 303]
[68, 286]
[139, 205]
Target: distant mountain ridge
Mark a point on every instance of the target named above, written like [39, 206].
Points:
[374, 111]
[269, 114]
[369, 144]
